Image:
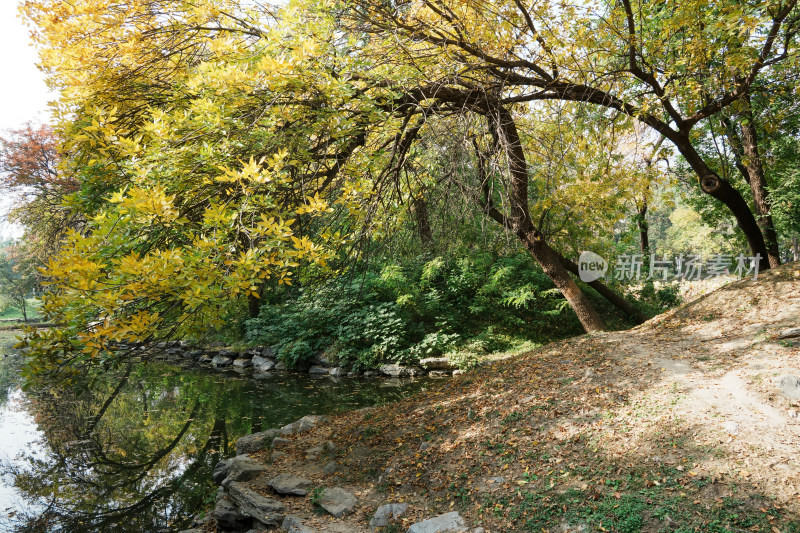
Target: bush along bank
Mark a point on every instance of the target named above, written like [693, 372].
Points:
[462, 308]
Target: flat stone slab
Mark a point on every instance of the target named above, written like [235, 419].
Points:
[387, 513]
[262, 364]
[445, 523]
[221, 360]
[318, 370]
[221, 471]
[789, 333]
[289, 484]
[243, 468]
[399, 371]
[436, 363]
[228, 516]
[337, 501]
[293, 524]
[256, 441]
[304, 424]
[266, 510]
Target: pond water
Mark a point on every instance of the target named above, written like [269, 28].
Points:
[134, 451]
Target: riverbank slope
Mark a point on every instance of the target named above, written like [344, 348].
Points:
[686, 423]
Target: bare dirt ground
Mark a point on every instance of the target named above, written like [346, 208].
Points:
[676, 425]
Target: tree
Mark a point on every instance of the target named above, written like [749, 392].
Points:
[18, 275]
[29, 173]
[670, 67]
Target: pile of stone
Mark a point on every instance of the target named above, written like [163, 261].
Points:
[239, 508]
[262, 363]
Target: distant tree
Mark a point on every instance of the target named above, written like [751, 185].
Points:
[29, 163]
[18, 275]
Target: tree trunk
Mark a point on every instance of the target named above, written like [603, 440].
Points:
[758, 186]
[795, 250]
[615, 299]
[718, 188]
[253, 305]
[420, 208]
[644, 237]
[550, 262]
[520, 222]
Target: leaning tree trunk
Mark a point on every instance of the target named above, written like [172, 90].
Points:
[758, 186]
[718, 188]
[550, 262]
[520, 222]
[615, 299]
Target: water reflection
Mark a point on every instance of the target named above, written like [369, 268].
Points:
[134, 451]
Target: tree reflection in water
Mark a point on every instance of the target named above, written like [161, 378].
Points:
[134, 451]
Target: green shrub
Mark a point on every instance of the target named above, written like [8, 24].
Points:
[464, 306]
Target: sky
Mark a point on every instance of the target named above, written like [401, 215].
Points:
[23, 92]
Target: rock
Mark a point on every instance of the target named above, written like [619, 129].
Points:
[318, 371]
[276, 456]
[567, 527]
[256, 441]
[790, 387]
[321, 359]
[265, 510]
[228, 515]
[731, 427]
[399, 371]
[280, 366]
[670, 522]
[221, 471]
[262, 364]
[371, 374]
[353, 374]
[242, 363]
[458, 372]
[499, 480]
[280, 442]
[439, 373]
[337, 501]
[304, 424]
[243, 468]
[387, 513]
[289, 484]
[330, 468]
[205, 358]
[424, 446]
[314, 452]
[221, 361]
[790, 333]
[445, 523]
[337, 372]
[191, 531]
[293, 524]
[436, 363]
[330, 447]
[263, 376]
[478, 530]
[268, 352]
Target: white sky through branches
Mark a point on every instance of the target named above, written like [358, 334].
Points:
[23, 92]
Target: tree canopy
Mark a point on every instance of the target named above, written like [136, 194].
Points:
[221, 148]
